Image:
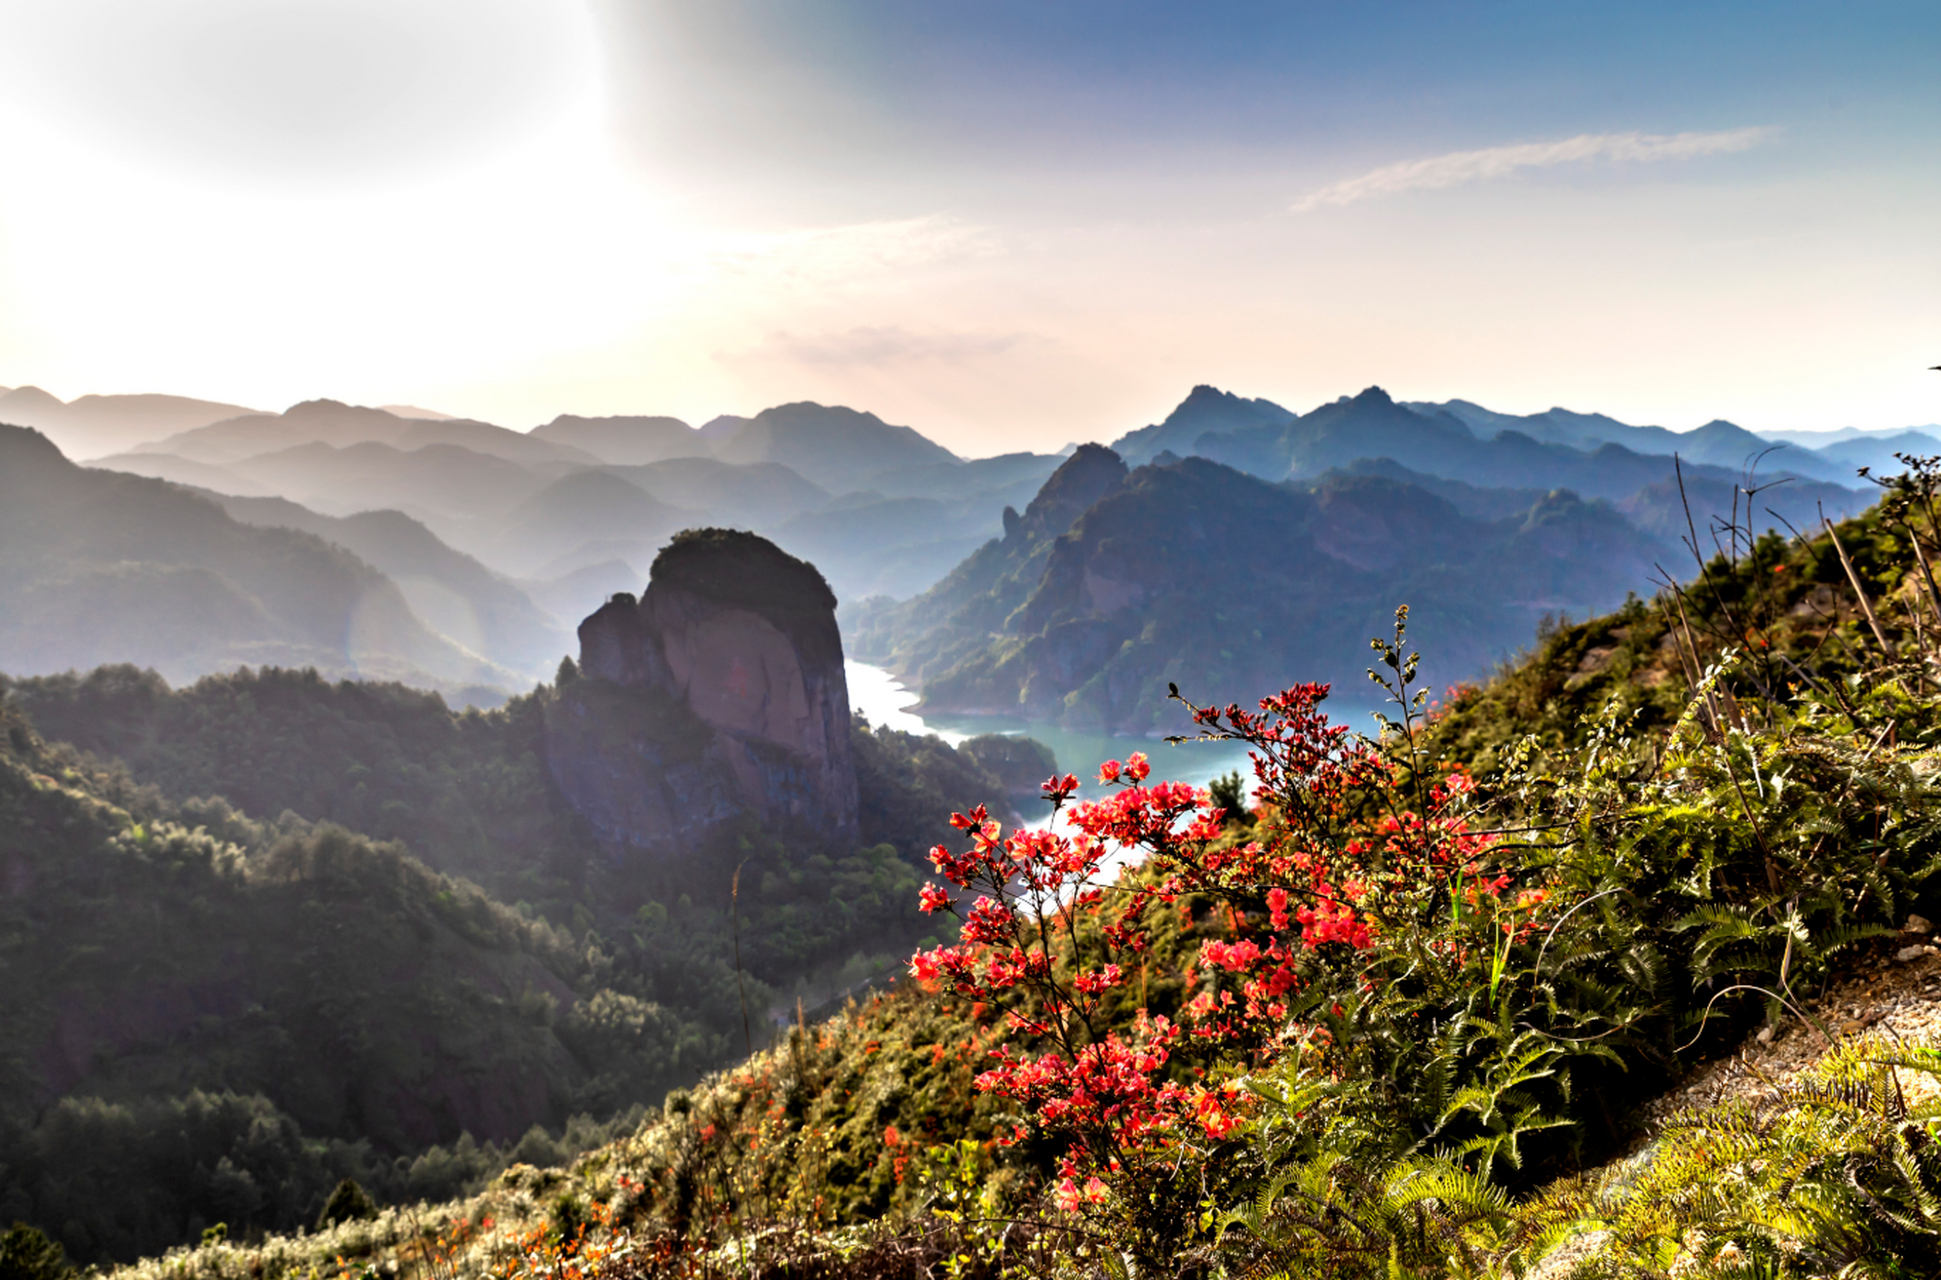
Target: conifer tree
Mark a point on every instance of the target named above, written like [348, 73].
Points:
[348, 1203]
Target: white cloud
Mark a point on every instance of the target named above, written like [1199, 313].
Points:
[821, 257]
[1495, 162]
[886, 345]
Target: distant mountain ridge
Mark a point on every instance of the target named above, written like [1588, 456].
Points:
[627, 441]
[883, 508]
[1483, 523]
[575, 509]
[1594, 454]
[1718, 442]
[829, 444]
[450, 591]
[340, 425]
[90, 426]
[1262, 438]
[1119, 581]
[101, 568]
[1205, 409]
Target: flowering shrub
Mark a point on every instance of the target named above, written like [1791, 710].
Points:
[1360, 895]
[1476, 966]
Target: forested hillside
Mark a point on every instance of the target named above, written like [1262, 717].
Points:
[301, 1002]
[1395, 1017]
[1113, 583]
[356, 1001]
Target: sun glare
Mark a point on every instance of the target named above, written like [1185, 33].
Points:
[412, 265]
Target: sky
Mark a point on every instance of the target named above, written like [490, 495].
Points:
[1011, 224]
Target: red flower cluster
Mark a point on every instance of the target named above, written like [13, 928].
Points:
[1352, 846]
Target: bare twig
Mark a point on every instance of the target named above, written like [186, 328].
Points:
[1853, 577]
[734, 926]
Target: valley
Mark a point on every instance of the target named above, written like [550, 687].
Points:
[452, 802]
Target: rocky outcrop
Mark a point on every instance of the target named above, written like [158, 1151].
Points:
[971, 605]
[720, 692]
[1092, 472]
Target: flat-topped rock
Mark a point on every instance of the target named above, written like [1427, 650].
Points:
[732, 664]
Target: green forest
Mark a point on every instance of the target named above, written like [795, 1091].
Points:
[411, 969]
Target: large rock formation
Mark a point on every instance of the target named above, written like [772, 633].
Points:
[719, 692]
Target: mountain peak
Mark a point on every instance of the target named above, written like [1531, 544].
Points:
[1206, 408]
[24, 442]
[1081, 480]
[829, 444]
[733, 566]
[742, 637]
[29, 398]
[1373, 396]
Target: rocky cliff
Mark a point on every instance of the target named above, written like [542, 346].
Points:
[719, 692]
[970, 606]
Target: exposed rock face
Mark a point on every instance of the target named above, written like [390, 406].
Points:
[720, 691]
[963, 612]
[1092, 472]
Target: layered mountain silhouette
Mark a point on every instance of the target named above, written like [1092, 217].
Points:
[1879, 452]
[828, 445]
[100, 568]
[1437, 441]
[737, 494]
[334, 423]
[1718, 442]
[1458, 439]
[879, 506]
[499, 540]
[545, 531]
[90, 426]
[627, 441]
[1114, 583]
[450, 591]
[440, 479]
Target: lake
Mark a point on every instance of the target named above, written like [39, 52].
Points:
[885, 701]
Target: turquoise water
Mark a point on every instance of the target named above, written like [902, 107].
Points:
[878, 695]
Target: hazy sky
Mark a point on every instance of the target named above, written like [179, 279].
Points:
[1007, 224]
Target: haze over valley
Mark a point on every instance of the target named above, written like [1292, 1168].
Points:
[481, 547]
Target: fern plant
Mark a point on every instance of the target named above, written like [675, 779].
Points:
[1350, 1194]
[1836, 1174]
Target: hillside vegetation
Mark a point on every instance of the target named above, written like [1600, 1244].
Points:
[1394, 1019]
[210, 1017]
